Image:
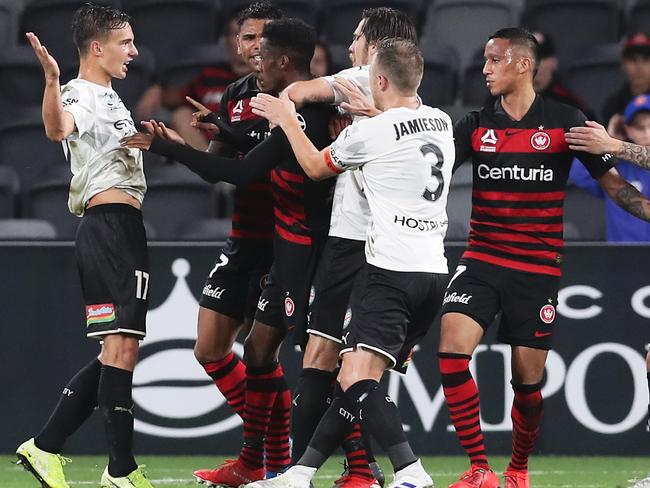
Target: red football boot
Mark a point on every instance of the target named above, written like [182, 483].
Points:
[477, 477]
[516, 479]
[231, 473]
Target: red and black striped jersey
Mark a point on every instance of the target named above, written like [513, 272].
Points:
[520, 170]
[302, 206]
[253, 206]
[210, 85]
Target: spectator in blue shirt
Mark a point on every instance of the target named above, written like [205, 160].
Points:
[621, 226]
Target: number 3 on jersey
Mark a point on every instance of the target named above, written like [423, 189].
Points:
[433, 155]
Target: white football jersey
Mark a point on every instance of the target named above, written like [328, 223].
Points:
[97, 160]
[350, 212]
[405, 157]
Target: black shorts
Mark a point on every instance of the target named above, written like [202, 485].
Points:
[527, 301]
[234, 284]
[392, 311]
[285, 296]
[329, 299]
[113, 263]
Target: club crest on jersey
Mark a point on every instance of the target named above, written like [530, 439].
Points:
[540, 140]
[547, 313]
[289, 307]
[489, 138]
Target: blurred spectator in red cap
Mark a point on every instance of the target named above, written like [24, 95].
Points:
[636, 66]
[547, 80]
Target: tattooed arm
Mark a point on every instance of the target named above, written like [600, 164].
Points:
[625, 195]
[594, 139]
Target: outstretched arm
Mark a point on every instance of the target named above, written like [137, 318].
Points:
[281, 112]
[59, 124]
[210, 167]
[625, 195]
[594, 139]
[309, 91]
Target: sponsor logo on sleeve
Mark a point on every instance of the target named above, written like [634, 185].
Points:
[100, 313]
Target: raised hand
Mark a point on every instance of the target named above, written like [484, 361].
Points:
[357, 102]
[197, 118]
[49, 64]
[592, 139]
[139, 140]
[276, 110]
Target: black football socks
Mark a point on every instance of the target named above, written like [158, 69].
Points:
[77, 402]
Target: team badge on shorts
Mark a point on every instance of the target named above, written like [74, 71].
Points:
[547, 313]
[540, 140]
[348, 317]
[312, 295]
[100, 313]
[289, 307]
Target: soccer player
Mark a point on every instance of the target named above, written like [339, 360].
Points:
[512, 262]
[343, 256]
[107, 189]
[405, 156]
[302, 209]
[233, 286]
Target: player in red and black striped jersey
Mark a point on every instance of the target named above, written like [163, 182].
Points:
[302, 210]
[512, 262]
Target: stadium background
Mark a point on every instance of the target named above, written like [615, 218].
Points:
[597, 378]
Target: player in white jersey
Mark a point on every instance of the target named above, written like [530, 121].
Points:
[405, 156]
[107, 189]
[343, 254]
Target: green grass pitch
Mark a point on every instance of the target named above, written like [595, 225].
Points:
[175, 471]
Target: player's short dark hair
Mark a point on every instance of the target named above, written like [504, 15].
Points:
[385, 22]
[520, 37]
[259, 10]
[402, 63]
[92, 21]
[294, 38]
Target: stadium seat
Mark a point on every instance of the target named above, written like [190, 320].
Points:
[457, 112]
[165, 26]
[463, 175]
[50, 20]
[473, 90]
[595, 74]
[341, 17]
[584, 216]
[574, 24]
[459, 210]
[170, 204]
[48, 200]
[9, 11]
[438, 85]
[467, 23]
[205, 230]
[26, 230]
[24, 146]
[307, 10]
[9, 191]
[21, 77]
[638, 17]
[180, 68]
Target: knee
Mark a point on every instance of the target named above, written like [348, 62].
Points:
[256, 354]
[204, 356]
[323, 355]
[120, 352]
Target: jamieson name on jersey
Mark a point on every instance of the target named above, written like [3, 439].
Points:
[420, 124]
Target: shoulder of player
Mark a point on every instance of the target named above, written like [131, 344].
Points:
[561, 111]
[80, 90]
[244, 87]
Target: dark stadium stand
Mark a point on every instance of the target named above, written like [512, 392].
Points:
[574, 24]
[167, 25]
[178, 37]
[466, 24]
